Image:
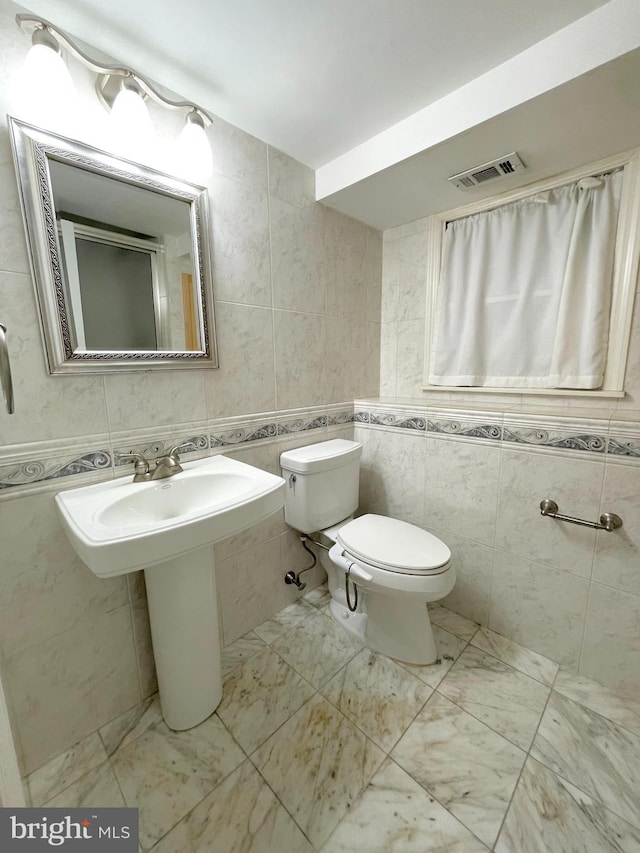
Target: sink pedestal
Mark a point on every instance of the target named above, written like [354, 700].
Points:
[168, 528]
[183, 611]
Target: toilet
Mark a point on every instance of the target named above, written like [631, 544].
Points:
[381, 571]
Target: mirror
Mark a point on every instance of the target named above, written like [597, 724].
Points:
[120, 258]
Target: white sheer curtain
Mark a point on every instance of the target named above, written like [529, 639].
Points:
[525, 291]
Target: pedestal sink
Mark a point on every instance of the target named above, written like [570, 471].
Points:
[168, 528]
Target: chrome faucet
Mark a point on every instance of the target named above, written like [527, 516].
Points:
[157, 469]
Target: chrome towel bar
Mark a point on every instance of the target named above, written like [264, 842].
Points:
[609, 521]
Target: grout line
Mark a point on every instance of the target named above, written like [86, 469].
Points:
[527, 757]
[271, 288]
[440, 803]
[133, 636]
[584, 625]
[512, 666]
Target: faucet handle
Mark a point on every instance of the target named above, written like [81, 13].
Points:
[174, 450]
[141, 463]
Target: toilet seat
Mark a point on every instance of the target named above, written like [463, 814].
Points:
[393, 545]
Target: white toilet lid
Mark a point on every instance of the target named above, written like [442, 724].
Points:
[393, 545]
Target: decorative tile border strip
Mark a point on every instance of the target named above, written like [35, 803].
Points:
[40, 470]
[594, 435]
[243, 434]
[465, 428]
[623, 447]
[154, 446]
[40, 465]
[31, 467]
[398, 420]
[340, 417]
[559, 433]
[302, 424]
[624, 440]
[543, 438]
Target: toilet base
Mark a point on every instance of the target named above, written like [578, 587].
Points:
[390, 625]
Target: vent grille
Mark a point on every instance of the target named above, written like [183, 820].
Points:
[498, 168]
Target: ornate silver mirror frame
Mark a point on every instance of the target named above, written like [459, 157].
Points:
[35, 152]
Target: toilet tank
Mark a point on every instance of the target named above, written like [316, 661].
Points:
[322, 483]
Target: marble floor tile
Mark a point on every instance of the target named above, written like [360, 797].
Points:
[319, 597]
[259, 696]
[317, 648]
[56, 775]
[378, 695]
[165, 773]
[239, 651]
[241, 814]
[548, 814]
[317, 764]
[593, 753]
[130, 725]
[283, 621]
[470, 769]
[452, 622]
[621, 710]
[395, 815]
[455, 754]
[98, 788]
[508, 701]
[531, 663]
[450, 648]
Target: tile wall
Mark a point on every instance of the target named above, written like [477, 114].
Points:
[473, 467]
[297, 290]
[475, 478]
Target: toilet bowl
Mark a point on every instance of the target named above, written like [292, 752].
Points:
[381, 571]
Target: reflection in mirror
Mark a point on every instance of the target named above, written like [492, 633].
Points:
[120, 258]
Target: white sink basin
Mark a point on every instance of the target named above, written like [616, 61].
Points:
[121, 526]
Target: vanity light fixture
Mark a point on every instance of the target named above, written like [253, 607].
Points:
[124, 91]
[54, 104]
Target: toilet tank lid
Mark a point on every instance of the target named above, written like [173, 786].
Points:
[322, 456]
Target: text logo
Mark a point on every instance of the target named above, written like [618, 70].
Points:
[71, 830]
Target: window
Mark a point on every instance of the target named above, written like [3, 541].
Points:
[533, 291]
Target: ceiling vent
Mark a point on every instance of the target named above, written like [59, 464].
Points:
[500, 168]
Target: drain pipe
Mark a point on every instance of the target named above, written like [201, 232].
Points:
[293, 577]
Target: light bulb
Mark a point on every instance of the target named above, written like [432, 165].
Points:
[131, 129]
[192, 156]
[45, 94]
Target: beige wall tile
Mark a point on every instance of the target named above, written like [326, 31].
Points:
[471, 596]
[611, 651]
[238, 155]
[240, 248]
[539, 607]
[574, 483]
[301, 264]
[392, 474]
[617, 557]
[45, 589]
[65, 688]
[249, 588]
[290, 180]
[245, 380]
[300, 343]
[43, 403]
[462, 487]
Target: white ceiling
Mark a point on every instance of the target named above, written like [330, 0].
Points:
[320, 78]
